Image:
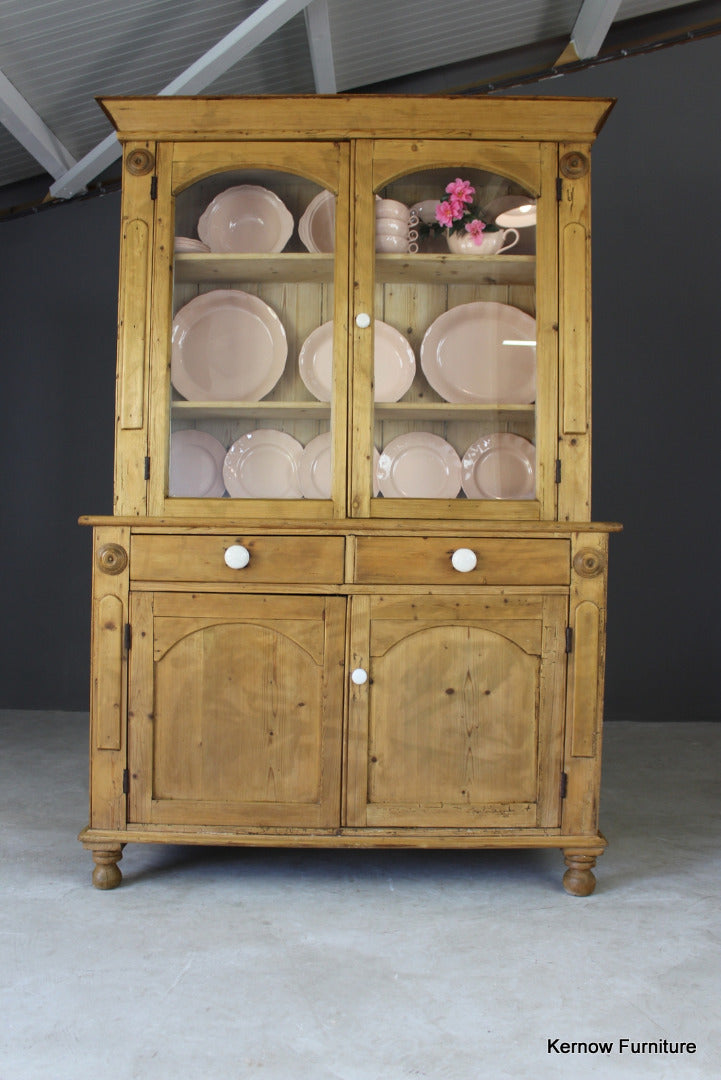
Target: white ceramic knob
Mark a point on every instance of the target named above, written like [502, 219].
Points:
[359, 676]
[464, 560]
[236, 556]
[363, 320]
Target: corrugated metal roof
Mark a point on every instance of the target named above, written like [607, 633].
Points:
[61, 54]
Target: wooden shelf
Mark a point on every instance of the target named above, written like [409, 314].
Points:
[457, 269]
[290, 267]
[320, 410]
[298, 268]
[443, 410]
[266, 410]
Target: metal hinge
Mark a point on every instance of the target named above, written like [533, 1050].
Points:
[128, 637]
[126, 782]
[153, 187]
[559, 188]
[146, 469]
[569, 639]
[558, 470]
[564, 784]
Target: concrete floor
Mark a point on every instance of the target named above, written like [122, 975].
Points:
[303, 965]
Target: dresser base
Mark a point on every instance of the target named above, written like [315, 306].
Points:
[580, 852]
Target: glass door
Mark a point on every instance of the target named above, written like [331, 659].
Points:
[249, 395]
[459, 356]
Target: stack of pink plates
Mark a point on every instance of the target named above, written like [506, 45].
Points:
[419, 465]
[263, 464]
[246, 219]
[500, 466]
[482, 353]
[227, 345]
[196, 463]
[394, 362]
[185, 245]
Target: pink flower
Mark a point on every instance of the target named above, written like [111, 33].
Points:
[462, 190]
[475, 229]
[457, 208]
[449, 210]
[444, 214]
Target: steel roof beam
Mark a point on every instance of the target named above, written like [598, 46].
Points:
[268, 18]
[317, 24]
[592, 23]
[21, 120]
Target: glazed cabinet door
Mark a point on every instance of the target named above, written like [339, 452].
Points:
[460, 721]
[235, 710]
[455, 386]
[248, 388]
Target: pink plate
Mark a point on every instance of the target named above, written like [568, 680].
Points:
[316, 227]
[196, 464]
[419, 465]
[470, 354]
[263, 464]
[314, 468]
[395, 362]
[315, 361]
[246, 219]
[228, 345]
[185, 245]
[500, 466]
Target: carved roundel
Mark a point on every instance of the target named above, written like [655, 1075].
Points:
[140, 161]
[112, 558]
[588, 563]
[574, 165]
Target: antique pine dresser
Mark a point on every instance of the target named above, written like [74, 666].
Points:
[351, 594]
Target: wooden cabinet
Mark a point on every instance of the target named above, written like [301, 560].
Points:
[234, 709]
[460, 725]
[351, 594]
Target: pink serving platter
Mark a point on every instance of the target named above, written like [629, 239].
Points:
[227, 345]
[481, 353]
[394, 362]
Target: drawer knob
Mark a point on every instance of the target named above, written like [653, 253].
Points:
[464, 560]
[363, 320]
[359, 676]
[236, 556]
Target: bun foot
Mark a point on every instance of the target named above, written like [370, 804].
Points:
[579, 879]
[106, 874]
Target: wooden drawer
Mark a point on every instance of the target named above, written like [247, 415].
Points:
[427, 560]
[291, 559]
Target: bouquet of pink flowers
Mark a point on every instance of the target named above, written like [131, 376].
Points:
[459, 213]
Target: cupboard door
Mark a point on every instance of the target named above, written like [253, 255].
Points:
[248, 391]
[460, 722]
[455, 369]
[235, 710]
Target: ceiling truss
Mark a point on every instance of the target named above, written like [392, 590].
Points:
[589, 30]
[71, 177]
[23, 122]
[589, 42]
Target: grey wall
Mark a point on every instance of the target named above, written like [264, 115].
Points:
[657, 374]
[57, 381]
[657, 383]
